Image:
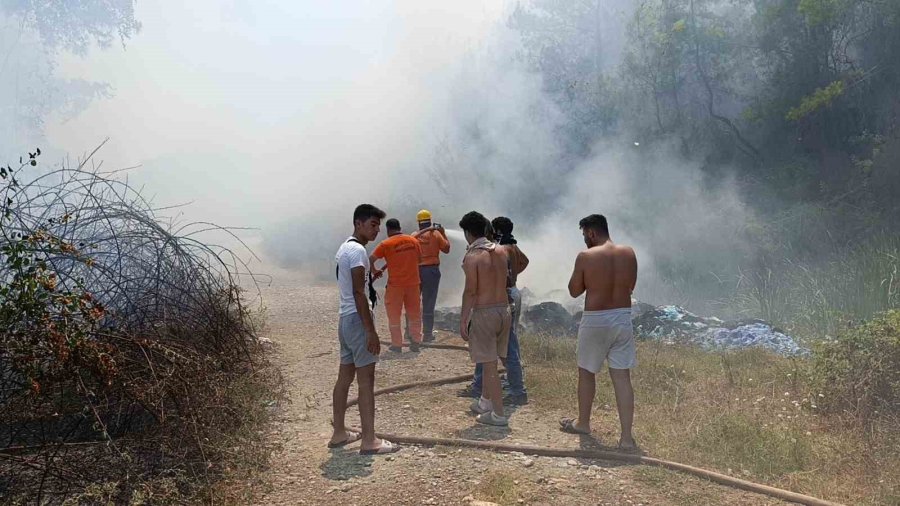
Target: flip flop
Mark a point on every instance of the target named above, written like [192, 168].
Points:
[386, 448]
[352, 437]
[630, 449]
[567, 425]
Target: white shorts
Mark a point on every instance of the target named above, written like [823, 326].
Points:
[606, 335]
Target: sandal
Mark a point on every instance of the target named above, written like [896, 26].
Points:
[567, 425]
[352, 437]
[634, 449]
[386, 448]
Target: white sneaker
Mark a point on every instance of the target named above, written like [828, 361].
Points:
[492, 418]
[481, 406]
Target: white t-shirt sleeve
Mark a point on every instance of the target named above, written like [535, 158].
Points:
[357, 257]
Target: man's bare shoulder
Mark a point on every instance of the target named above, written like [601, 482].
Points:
[623, 250]
[475, 256]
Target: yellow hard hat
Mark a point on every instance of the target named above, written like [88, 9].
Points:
[423, 215]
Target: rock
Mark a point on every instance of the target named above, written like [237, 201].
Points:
[265, 341]
[447, 319]
[549, 318]
[483, 503]
[572, 462]
[638, 309]
[346, 487]
[528, 463]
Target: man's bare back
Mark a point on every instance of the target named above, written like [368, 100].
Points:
[490, 271]
[608, 273]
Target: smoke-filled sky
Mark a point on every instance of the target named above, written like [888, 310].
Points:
[283, 115]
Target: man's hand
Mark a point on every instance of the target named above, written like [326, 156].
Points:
[464, 330]
[373, 344]
[377, 273]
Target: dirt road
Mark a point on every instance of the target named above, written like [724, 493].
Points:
[302, 321]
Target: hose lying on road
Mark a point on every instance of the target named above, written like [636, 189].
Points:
[723, 479]
[617, 456]
[437, 346]
[426, 383]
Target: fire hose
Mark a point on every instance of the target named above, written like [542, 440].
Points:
[542, 451]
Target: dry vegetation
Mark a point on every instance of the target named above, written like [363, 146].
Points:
[750, 414]
[129, 367]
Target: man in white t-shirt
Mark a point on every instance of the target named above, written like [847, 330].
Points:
[357, 335]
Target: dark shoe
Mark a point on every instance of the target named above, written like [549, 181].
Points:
[414, 346]
[428, 339]
[395, 349]
[516, 400]
[468, 393]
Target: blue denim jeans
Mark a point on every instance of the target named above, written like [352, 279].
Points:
[514, 374]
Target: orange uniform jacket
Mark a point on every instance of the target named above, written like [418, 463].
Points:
[433, 243]
[401, 252]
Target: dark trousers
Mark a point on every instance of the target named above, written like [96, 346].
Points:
[430, 277]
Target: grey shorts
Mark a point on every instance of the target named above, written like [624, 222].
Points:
[352, 336]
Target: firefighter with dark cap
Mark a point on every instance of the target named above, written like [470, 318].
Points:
[433, 240]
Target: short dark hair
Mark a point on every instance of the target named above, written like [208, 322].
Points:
[475, 224]
[392, 224]
[502, 225]
[596, 222]
[365, 212]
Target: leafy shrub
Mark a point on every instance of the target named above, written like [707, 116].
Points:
[859, 371]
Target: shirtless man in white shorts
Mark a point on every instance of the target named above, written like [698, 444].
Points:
[608, 273]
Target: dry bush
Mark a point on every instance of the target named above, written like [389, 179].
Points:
[123, 343]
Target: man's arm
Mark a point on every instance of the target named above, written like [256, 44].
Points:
[576, 283]
[469, 292]
[358, 275]
[376, 272]
[377, 253]
[523, 261]
[634, 281]
[445, 243]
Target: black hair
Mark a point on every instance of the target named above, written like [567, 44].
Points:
[392, 224]
[596, 222]
[365, 212]
[475, 224]
[502, 225]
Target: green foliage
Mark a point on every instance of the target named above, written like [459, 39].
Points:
[819, 12]
[822, 97]
[859, 371]
[49, 333]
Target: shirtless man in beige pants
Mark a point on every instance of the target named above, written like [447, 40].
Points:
[608, 273]
[485, 318]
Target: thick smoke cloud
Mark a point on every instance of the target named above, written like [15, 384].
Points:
[285, 115]
[490, 140]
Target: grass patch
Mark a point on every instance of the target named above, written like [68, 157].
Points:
[737, 440]
[500, 487]
[747, 413]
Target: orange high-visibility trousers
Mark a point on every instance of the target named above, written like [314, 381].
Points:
[396, 298]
